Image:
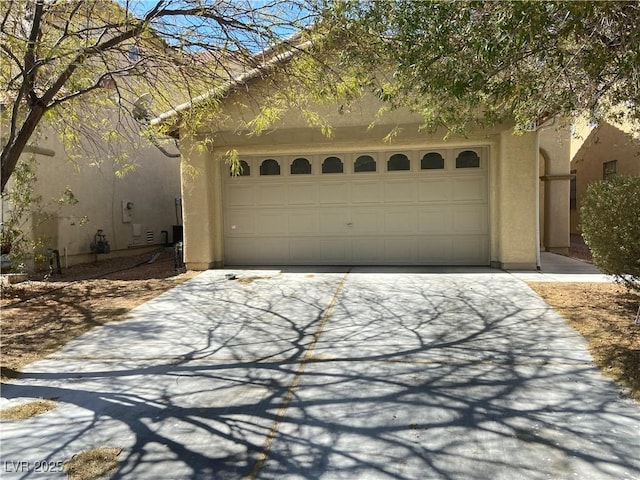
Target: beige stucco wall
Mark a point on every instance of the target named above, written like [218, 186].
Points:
[512, 172]
[555, 148]
[514, 203]
[602, 144]
[202, 206]
[152, 189]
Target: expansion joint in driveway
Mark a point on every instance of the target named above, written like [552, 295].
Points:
[282, 411]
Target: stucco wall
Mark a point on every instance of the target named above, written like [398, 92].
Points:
[555, 147]
[152, 189]
[202, 206]
[602, 144]
[515, 201]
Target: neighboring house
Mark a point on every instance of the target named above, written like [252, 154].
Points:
[354, 199]
[133, 211]
[600, 151]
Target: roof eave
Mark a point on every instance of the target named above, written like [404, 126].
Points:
[230, 85]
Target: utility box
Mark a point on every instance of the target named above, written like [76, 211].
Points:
[127, 211]
[100, 243]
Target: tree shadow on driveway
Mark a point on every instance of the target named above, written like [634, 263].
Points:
[406, 376]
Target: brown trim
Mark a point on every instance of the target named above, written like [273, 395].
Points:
[546, 178]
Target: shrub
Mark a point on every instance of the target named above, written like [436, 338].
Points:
[610, 223]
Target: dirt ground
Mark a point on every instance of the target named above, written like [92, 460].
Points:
[604, 314]
[38, 317]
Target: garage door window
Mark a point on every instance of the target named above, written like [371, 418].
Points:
[468, 159]
[364, 163]
[399, 161]
[432, 161]
[300, 166]
[332, 165]
[270, 167]
[243, 171]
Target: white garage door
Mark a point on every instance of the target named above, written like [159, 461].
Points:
[393, 208]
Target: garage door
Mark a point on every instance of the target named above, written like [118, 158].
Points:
[424, 207]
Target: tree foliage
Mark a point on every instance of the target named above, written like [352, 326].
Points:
[66, 61]
[464, 61]
[610, 223]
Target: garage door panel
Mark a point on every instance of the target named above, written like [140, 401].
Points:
[270, 222]
[366, 192]
[240, 251]
[334, 221]
[401, 221]
[470, 250]
[305, 194]
[368, 251]
[400, 251]
[239, 222]
[470, 189]
[331, 193]
[436, 190]
[272, 250]
[435, 250]
[334, 251]
[400, 191]
[304, 251]
[238, 195]
[303, 222]
[271, 195]
[435, 219]
[470, 219]
[366, 221]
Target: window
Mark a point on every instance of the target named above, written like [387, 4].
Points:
[468, 159]
[609, 169]
[243, 171]
[572, 191]
[432, 161]
[364, 163]
[300, 166]
[270, 167]
[332, 165]
[399, 161]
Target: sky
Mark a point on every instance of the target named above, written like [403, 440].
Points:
[280, 18]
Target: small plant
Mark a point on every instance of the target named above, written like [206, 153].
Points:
[17, 239]
[610, 223]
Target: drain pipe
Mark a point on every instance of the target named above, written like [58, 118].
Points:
[553, 123]
[538, 259]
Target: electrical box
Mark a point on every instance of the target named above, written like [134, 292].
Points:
[127, 211]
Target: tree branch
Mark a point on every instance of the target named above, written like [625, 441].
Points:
[9, 8]
[30, 54]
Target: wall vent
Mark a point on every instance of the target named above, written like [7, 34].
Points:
[150, 237]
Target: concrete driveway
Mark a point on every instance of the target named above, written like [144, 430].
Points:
[403, 374]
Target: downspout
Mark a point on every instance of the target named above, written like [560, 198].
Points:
[538, 239]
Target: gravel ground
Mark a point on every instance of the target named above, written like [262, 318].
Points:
[39, 316]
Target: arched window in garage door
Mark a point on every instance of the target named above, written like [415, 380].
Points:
[399, 161]
[244, 171]
[364, 163]
[468, 159]
[300, 166]
[432, 161]
[269, 167]
[332, 165]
